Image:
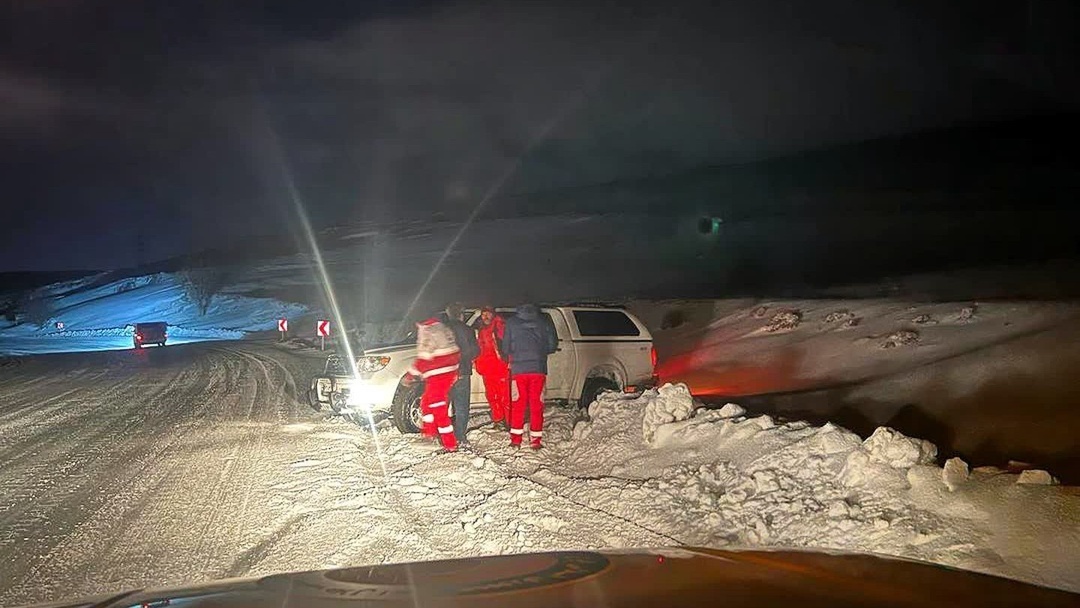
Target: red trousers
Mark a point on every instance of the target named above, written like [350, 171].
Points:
[434, 417]
[529, 394]
[496, 385]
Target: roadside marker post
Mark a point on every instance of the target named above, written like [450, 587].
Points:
[322, 327]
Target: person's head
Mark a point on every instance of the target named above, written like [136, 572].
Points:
[487, 315]
[528, 311]
[455, 311]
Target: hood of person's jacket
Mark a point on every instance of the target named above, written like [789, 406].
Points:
[528, 312]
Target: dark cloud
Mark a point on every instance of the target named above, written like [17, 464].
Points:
[164, 111]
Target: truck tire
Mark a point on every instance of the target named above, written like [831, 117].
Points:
[313, 399]
[336, 401]
[592, 389]
[405, 410]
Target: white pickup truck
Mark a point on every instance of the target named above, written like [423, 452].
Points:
[599, 349]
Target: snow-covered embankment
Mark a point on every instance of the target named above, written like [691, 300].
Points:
[720, 477]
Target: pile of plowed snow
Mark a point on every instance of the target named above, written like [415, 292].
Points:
[719, 477]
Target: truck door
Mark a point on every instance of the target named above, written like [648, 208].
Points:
[563, 363]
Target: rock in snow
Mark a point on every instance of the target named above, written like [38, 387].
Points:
[784, 320]
[839, 315]
[954, 473]
[731, 410]
[967, 313]
[903, 337]
[1036, 477]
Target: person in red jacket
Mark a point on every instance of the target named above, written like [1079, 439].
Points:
[437, 359]
[491, 365]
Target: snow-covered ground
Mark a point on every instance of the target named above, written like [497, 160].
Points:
[106, 459]
[186, 464]
[746, 347]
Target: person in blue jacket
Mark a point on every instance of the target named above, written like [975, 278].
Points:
[528, 340]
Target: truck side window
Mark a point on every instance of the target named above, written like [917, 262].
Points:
[597, 323]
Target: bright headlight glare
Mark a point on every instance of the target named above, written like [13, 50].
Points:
[371, 364]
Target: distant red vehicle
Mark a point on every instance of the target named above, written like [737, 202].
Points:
[150, 333]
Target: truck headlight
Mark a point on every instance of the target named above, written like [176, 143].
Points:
[369, 365]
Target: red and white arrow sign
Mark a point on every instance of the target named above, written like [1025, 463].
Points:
[322, 328]
[283, 325]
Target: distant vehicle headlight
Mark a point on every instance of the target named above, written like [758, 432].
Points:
[368, 365]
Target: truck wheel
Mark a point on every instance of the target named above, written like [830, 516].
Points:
[593, 388]
[313, 399]
[336, 401]
[405, 410]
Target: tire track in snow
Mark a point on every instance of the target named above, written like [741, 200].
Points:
[547, 481]
[43, 372]
[117, 531]
[211, 481]
[201, 480]
[235, 479]
[76, 408]
[15, 409]
[91, 470]
[64, 444]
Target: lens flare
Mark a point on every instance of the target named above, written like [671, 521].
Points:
[324, 278]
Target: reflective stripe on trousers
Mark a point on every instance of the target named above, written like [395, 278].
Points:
[530, 396]
[433, 404]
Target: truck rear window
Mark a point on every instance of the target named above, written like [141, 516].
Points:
[596, 323]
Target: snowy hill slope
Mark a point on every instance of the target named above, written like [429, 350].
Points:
[746, 347]
[993, 381]
[99, 317]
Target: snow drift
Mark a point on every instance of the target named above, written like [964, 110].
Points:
[719, 477]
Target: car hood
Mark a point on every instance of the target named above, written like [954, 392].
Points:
[653, 577]
[389, 350]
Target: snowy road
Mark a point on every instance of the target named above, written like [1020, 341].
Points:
[193, 463]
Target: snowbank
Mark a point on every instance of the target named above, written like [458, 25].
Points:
[718, 477]
[672, 404]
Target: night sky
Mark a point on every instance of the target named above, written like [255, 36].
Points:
[175, 120]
